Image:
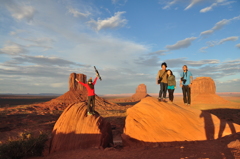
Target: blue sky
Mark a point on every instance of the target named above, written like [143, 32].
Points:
[43, 41]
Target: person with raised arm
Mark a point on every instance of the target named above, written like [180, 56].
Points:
[91, 94]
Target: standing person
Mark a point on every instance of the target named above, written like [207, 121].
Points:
[162, 80]
[186, 83]
[91, 94]
[171, 85]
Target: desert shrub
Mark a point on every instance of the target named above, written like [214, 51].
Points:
[26, 146]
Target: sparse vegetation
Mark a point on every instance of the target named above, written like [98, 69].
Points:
[26, 146]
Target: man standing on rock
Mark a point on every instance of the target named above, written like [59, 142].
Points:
[91, 94]
[186, 84]
[162, 80]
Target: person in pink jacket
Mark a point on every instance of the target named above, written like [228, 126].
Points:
[91, 94]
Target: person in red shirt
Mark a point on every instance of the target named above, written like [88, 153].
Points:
[91, 94]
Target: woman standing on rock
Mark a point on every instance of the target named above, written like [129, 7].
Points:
[171, 85]
[162, 80]
[91, 94]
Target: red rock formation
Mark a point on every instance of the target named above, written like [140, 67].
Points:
[73, 85]
[74, 129]
[203, 85]
[203, 91]
[77, 93]
[141, 92]
[151, 122]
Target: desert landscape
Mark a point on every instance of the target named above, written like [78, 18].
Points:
[136, 126]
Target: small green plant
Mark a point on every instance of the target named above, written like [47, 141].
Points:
[26, 146]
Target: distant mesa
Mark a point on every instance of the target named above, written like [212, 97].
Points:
[77, 93]
[141, 92]
[152, 122]
[204, 92]
[203, 85]
[74, 129]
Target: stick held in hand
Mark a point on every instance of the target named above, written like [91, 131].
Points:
[97, 73]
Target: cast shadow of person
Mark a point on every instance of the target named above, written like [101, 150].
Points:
[208, 125]
[223, 124]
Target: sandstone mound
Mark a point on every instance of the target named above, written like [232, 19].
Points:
[74, 129]
[151, 121]
[77, 93]
[204, 92]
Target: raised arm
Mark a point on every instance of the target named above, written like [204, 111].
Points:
[80, 82]
[95, 80]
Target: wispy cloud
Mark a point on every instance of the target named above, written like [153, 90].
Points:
[77, 14]
[13, 49]
[112, 22]
[209, 8]
[181, 44]
[238, 45]
[19, 10]
[214, 43]
[218, 26]
[192, 3]
[232, 38]
[42, 60]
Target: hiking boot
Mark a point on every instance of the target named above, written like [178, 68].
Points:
[164, 100]
[93, 112]
[89, 113]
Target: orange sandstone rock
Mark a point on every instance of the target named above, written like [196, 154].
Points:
[151, 122]
[74, 129]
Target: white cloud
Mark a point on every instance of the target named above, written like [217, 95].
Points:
[159, 52]
[42, 60]
[112, 22]
[233, 38]
[57, 85]
[170, 4]
[76, 13]
[238, 45]
[204, 10]
[192, 3]
[214, 43]
[20, 11]
[218, 26]
[13, 49]
[181, 44]
[207, 32]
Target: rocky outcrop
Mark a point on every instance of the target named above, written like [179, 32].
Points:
[203, 85]
[151, 122]
[203, 91]
[141, 92]
[77, 93]
[75, 129]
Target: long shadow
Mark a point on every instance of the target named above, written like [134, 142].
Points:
[226, 114]
[208, 125]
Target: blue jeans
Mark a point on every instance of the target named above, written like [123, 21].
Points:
[163, 90]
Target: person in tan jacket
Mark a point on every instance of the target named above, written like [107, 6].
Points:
[163, 82]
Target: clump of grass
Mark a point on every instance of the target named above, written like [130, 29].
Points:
[26, 146]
